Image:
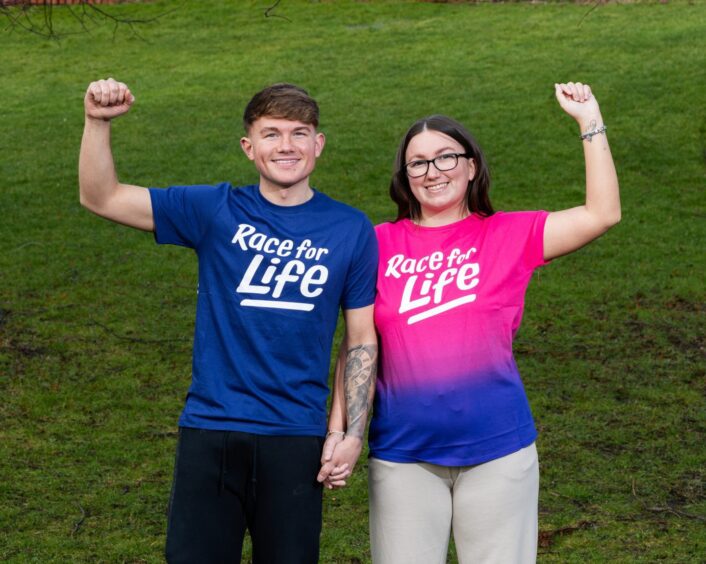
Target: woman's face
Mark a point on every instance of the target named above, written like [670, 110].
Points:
[441, 193]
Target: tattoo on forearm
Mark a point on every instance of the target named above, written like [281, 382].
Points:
[359, 380]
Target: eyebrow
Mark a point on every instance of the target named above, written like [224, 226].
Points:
[441, 151]
[278, 130]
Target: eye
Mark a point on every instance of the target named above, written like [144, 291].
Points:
[417, 164]
[447, 158]
[270, 135]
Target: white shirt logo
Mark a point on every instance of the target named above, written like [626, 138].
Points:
[279, 263]
[428, 279]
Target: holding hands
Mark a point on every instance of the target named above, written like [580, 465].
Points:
[107, 99]
[339, 456]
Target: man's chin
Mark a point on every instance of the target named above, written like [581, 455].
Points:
[285, 185]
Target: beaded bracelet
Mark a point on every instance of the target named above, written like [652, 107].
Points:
[342, 433]
[595, 131]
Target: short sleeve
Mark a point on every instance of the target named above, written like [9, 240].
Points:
[534, 249]
[182, 214]
[359, 289]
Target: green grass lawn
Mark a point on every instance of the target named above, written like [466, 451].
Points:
[96, 320]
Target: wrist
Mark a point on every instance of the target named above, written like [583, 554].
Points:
[592, 131]
[92, 121]
[590, 122]
[354, 438]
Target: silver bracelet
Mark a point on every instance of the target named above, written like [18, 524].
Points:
[595, 131]
[342, 433]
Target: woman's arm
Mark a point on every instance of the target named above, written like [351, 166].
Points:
[571, 229]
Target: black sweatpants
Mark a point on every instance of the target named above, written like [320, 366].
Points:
[225, 482]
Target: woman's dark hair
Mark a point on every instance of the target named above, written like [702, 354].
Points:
[477, 197]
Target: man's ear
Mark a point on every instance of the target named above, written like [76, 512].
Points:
[246, 146]
[320, 142]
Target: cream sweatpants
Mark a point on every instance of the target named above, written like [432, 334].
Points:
[491, 508]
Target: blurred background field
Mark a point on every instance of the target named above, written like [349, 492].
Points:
[96, 320]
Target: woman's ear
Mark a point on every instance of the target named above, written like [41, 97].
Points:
[471, 169]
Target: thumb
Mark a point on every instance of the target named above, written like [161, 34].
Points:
[324, 473]
[559, 93]
[563, 96]
[329, 447]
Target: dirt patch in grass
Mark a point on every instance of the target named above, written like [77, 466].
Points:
[548, 538]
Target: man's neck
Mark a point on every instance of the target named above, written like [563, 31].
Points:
[292, 196]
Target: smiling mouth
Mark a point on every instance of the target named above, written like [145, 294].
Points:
[436, 187]
[286, 162]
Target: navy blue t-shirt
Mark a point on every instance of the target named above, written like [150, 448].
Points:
[271, 281]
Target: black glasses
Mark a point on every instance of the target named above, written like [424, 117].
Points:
[419, 167]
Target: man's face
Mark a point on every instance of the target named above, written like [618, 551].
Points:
[284, 151]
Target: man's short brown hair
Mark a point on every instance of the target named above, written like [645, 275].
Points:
[283, 101]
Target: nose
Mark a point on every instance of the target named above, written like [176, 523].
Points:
[432, 171]
[285, 144]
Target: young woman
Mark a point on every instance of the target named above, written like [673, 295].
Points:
[452, 436]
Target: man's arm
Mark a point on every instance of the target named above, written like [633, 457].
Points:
[354, 381]
[99, 188]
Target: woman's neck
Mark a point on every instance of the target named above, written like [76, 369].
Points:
[431, 218]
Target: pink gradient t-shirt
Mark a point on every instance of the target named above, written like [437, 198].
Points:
[449, 302]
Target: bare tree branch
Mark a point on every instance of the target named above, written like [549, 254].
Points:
[269, 14]
[80, 20]
[595, 5]
[37, 17]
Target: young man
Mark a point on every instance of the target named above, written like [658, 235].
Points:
[276, 261]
